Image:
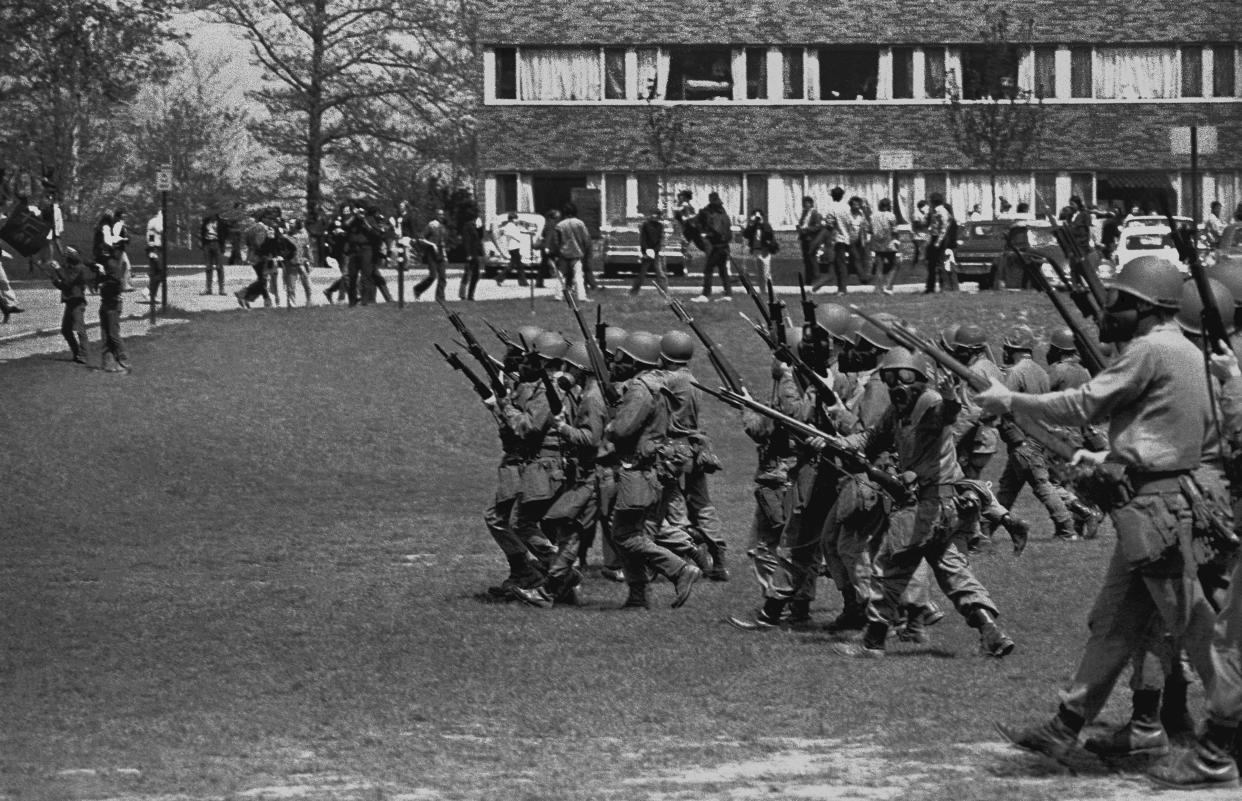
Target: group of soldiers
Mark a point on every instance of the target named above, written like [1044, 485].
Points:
[870, 450]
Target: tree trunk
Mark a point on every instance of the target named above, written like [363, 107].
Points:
[992, 176]
[314, 128]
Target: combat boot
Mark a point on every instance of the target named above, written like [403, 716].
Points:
[1019, 532]
[702, 557]
[766, 619]
[1174, 715]
[871, 646]
[1065, 530]
[1141, 736]
[1054, 738]
[533, 596]
[799, 612]
[915, 630]
[1087, 519]
[1208, 764]
[853, 618]
[718, 571]
[683, 583]
[993, 641]
[637, 599]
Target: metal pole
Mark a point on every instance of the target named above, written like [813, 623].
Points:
[164, 252]
[1194, 181]
[401, 280]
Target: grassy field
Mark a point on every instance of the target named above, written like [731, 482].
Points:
[252, 569]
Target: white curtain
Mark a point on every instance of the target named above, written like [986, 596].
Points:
[870, 186]
[1130, 73]
[729, 187]
[785, 207]
[652, 66]
[1226, 193]
[971, 188]
[1026, 70]
[560, 74]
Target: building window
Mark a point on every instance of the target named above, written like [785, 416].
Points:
[560, 74]
[756, 73]
[933, 71]
[1223, 71]
[1138, 73]
[614, 199]
[1192, 72]
[614, 73]
[756, 194]
[506, 73]
[848, 73]
[792, 77]
[1081, 80]
[648, 194]
[1045, 194]
[903, 73]
[652, 73]
[1081, 184]
[700, 73]
[1045, 84]
[989, 71]
[506, 193]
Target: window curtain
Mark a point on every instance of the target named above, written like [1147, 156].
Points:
[653, 66]
[1226, 193]
[1026, 70]
[785, 207]
[974, 188]
[560, 74]
[1131, 73]
[729, 188]
[868, 186]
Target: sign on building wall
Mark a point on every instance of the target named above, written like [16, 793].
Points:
[896, 159]
[589, 211]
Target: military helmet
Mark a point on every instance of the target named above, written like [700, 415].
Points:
[613, 337]
[676, 347]
[1150, 278]
[578, 356]
[915, 366]
[836, 320]
[1020, 337]
[870, 333]
[1228, 270]
[641, 346]
[72, 256]
[550, 345]
[948, 335]
[1062, 339]
[1190, 313]
[526, 336]
[970, 337]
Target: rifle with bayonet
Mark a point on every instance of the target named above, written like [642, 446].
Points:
[454, 361]
[505, 338]
[1084, 282]
[595, 351]
[476, 350]
[803, 372]
[724, 368]
[1092, 357]
[754, 296]
[1214, 328]
[554, 399]
[805, 431]
[776, 316]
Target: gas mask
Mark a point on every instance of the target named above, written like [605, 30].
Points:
[623, 368]
[1121, 317]
[531, 368]
[815, 350]
[858, 359]
[904, 387]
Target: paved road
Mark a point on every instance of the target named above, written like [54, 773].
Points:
[38, 329]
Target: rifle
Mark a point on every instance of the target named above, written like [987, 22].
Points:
[601, 329]
[595, 352]
[808, 307]
[715, 355]
[503, 336]
[499, 364]
[1092, 357]
[776, 315]
[1086, 280]
[454, 361]
[764, 311]
[802, 371]
[476, 350]
[837, 447]
[1213, 323]
[554, 400]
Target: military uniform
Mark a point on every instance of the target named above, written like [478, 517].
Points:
[776, 457]
[543, 467]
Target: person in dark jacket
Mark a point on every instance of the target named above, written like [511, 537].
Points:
[761, 241]
[71, 281]
[650, 243]
[717, 230]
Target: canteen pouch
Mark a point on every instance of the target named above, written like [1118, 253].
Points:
[705, 458]
[637, 489]
[542, 479]
[508, 482]
[1150, 529]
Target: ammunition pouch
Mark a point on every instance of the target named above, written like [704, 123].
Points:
[705, 458]
[1153, 531]
[1214, 535]
[542, 478]
[637, 488]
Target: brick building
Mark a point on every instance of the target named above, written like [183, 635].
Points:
[790, 97]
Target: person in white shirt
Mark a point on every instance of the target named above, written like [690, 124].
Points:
[157, 271]
[120, 239]
[1213, 226]
[510, 237]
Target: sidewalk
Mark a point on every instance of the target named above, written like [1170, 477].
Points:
[37, 330]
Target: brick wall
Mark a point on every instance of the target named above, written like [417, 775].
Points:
[831, 137]
[878, 21]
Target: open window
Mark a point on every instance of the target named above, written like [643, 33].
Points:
[848, 73]
[700, 73]
[506, 73]
[989, 70]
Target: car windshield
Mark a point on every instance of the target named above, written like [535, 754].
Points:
[1148, 242]
[1040, 237]
[980, 230]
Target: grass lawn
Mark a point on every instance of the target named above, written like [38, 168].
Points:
[252, 568]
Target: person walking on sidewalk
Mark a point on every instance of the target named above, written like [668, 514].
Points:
[717, 230]
[650, 242]
[573, 244]
[761, 241]
[435, 249]
[157, 271]
[209, 239]
[71, 281]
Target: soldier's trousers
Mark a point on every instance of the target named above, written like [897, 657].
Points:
[676, 530]
[930, 539]
[765, 535]
[850, 546]
[1225, 697]
[1134, 593]
[1016, 475]
[812, 492]
[634, 534]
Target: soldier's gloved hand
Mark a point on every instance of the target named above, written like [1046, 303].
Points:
[1082, 456]
[490, 401]
[817, 443]
[1224, 366]
[997, 399]
[745, 393]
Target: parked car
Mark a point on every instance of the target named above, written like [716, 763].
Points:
[621, 253]
[1148, 220]
[1230, 241]
[532, 229]
[1146, 240]
[982, 255]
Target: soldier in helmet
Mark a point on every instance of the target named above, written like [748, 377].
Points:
[1065, 370]
[648, 464]
[580, 426]
[693, 503]
[543, 454]
[978, 441]
[1155, 397]
[525, 569]
[1025, 463]
[919, 427]
[606, 466]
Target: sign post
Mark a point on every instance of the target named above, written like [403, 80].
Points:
[163, 183]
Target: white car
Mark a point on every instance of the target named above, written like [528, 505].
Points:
[1153, 220]
[1146, 240]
